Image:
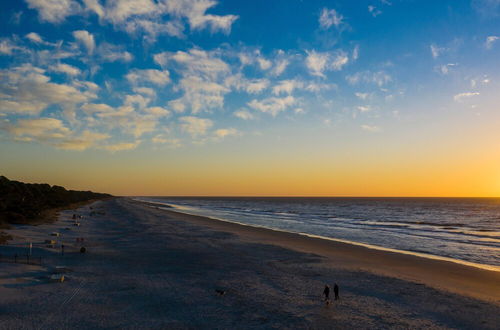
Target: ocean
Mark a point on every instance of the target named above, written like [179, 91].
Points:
[465, 230]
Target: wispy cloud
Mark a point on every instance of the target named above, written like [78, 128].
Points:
[54, 11]
[379, 78]
[140, 16]
[374, 11]
[364, 108]
[224, 132]
[446, 68]
[121, 146]
[371, 128]
[490, 41]
[436, 51]
[320, 62]
[243, 114]
[273, 105]
[194, 125]
[463, 96]
[329, 18]
[153, 76]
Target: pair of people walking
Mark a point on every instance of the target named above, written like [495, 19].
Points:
[326, 292]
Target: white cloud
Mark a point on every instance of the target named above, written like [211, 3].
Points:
[194, 125]
[364, 108]
[195, 62]
[380, 78]
[29, 88]
[153, 76]
[476, 81]
[86, 39]
[280, 67]
[463, 96]
[436, 51]
[54, 11]
[329, 17]
[113, 53]
[91, 108]
[21, 107]
[445, 69]
[136, 100]
[490, 41]
[158, 111]
[145, 91]
[161, 139]
[41, 129]
[154, 29]
[339, 60]
[273, 105]
[66, 69]
[224, 132]
[7, 47]
[362, 96]
[355, 53]
[251, 86]
[195, 12]
[317, 87]
[204, 79]
[374, 11]
[199, 95]
[81, 142]
[287, 86]
[148, 16]
[319, 62]
[35, 37]
[140, 125]
[243, 114]
[177, 105]
[121, 146]
[120, 11]
[94, 6]
[264, 64]
[371, 128]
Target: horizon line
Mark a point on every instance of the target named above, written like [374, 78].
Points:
[299, 196]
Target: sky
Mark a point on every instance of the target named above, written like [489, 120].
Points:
[252, 98]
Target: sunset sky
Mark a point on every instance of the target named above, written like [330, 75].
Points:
[269, 98]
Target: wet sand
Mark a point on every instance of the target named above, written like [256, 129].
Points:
[454, 277]
[151, 268]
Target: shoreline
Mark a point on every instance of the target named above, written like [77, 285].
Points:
[441, 274]
[493, 268]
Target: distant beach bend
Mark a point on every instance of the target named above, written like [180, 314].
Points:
[146, 267]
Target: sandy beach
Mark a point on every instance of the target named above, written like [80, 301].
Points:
[152, 268]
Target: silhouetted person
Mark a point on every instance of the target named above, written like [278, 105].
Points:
[326, 292]
[62, 249]
[336, 291]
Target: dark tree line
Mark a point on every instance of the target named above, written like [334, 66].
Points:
[24, 202]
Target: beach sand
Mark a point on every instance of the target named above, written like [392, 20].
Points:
[152, 268]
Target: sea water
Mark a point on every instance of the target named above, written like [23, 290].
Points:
[464, 229]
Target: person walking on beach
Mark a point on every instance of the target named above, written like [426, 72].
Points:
[336, 291]
[326, 292]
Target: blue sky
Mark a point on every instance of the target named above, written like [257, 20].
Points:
[117, 75]
[242, 86]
